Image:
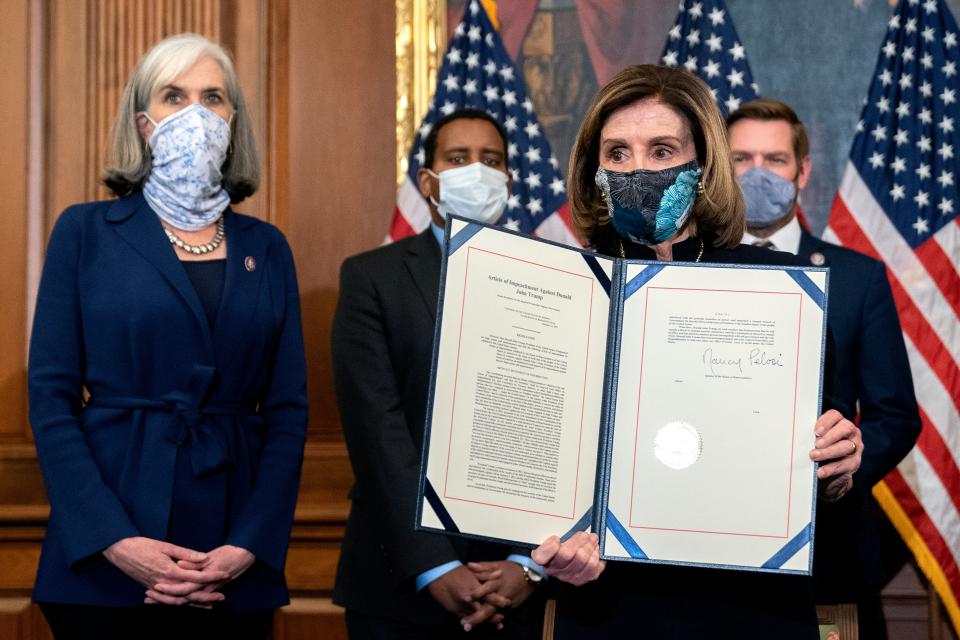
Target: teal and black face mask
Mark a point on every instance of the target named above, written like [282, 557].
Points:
[649, 207]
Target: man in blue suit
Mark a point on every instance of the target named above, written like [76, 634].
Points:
[771, 155]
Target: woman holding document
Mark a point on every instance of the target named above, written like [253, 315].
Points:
[651, 178]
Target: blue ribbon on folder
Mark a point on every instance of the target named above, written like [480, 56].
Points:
[598, 271]
[790, 549]
[461, 237]
[641, 279]
[437, 504]
[623, 537]
[581, 525]
[809, 286]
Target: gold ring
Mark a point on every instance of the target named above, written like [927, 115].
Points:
[854, 446]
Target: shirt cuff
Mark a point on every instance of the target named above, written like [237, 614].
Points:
[430, 575]
[527, 562]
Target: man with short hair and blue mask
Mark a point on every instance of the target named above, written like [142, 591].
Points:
[771, 155]
[396, 582]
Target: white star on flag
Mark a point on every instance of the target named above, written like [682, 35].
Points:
[698, 45]
[716, 16]
[477, 73]
[712, 69]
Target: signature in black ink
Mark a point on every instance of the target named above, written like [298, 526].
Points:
[712, 361]
[760, 358]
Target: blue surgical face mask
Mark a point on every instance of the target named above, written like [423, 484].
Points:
[649, 207]
[185, 184]
[768, 196]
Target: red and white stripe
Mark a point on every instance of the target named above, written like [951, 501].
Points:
[558, 227]
[411, 215]
[926, 290]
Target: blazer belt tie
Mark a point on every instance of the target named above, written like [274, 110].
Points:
[209, 450]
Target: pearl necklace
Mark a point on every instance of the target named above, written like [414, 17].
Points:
[699, 255]
[198, 249]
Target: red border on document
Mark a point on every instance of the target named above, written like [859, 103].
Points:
[583, 394]
[793, 427]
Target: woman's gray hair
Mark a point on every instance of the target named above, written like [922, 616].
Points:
[129, 163]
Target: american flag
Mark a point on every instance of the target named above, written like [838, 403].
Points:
[703, 41]
[718, 58]
[478, 73]
[898, 202]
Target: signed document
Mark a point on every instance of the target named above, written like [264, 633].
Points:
[667, 406]
[718, 390]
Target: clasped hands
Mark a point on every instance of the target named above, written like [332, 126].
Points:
[175, 575]
[481, 592]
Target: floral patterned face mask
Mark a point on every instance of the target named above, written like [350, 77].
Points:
[648, 206]
[185, 184]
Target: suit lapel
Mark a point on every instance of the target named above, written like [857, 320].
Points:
[246, 263]
[423, 263]
[811, 249]
[808, 244]
[139, 226]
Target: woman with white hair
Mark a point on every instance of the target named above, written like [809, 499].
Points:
[167, 375]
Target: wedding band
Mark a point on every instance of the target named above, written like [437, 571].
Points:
[854, 446]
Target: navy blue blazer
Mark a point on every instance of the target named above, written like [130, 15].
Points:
[117, 317]
[872, 370]
[692, 603]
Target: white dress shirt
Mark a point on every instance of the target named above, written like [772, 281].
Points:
[786, 238]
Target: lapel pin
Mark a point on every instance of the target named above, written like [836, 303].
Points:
[817, 259]
[251, 264]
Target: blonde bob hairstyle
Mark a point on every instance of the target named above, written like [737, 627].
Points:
[718, 209]
[129, 162]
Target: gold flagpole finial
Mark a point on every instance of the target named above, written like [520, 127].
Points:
[490, 6]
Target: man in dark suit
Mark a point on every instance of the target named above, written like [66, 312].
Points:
[396, 582]
[771, 155]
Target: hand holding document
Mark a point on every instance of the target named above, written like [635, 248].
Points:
[665, 406]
